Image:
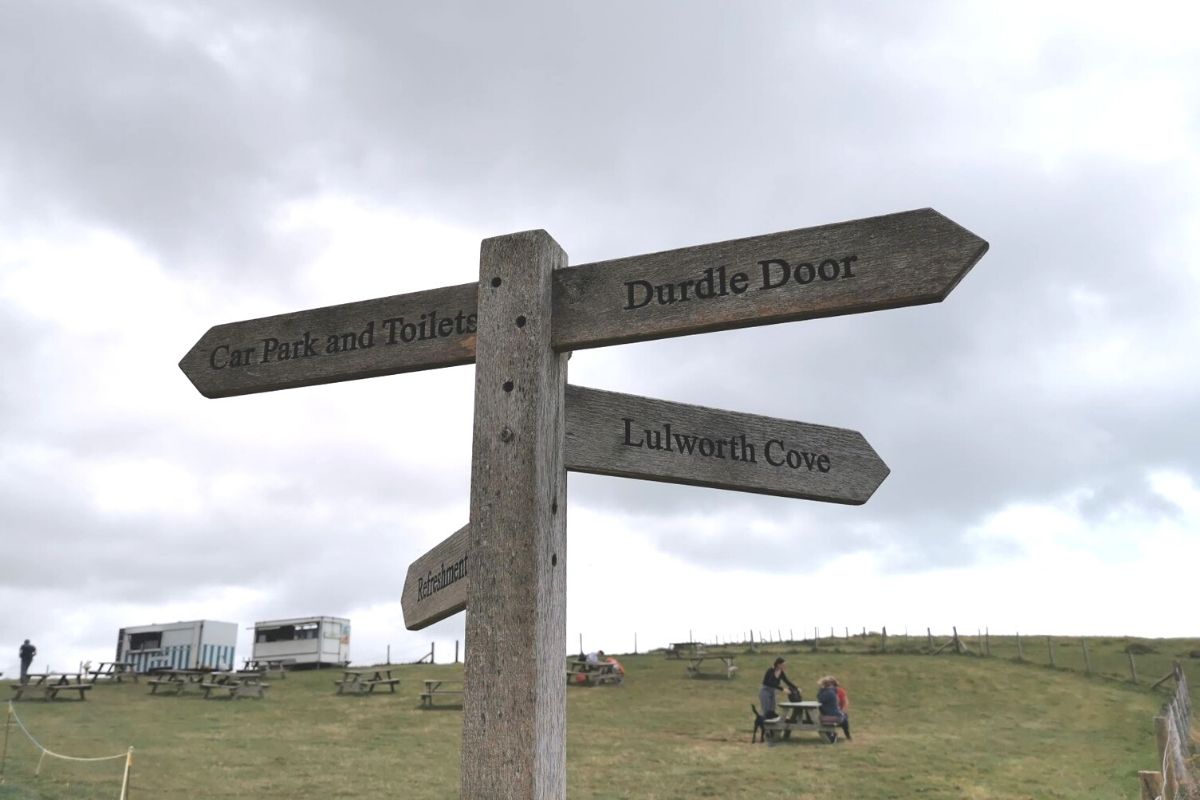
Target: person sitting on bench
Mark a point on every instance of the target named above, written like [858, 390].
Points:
[834, 703]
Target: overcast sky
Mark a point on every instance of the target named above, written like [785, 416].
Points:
[165, 167]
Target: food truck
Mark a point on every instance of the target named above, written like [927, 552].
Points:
[317, 641]
[200, 644]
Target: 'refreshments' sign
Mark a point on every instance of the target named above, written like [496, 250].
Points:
[883, 262]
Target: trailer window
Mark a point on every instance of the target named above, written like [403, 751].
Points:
[287, 633]
[145, 641]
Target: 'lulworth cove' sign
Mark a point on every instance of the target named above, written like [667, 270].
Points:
[517, 323]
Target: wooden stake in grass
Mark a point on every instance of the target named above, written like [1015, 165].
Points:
[1050, 647]
[1087, 659]
[1132, 667]
[1020, 652]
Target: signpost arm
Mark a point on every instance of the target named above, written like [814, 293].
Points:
[514, 722]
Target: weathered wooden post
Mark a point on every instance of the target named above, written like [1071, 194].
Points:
[1050, 647]
[987, 642]
[883, 646]
[1132, 667]
[929, 638]
[1020, 652]
[514, 726]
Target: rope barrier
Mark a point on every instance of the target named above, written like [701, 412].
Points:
[45, 751]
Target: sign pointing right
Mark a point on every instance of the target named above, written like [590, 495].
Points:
[903, 259]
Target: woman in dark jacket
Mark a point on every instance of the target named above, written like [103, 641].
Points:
[772, 683]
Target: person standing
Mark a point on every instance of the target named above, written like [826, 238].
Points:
[772, 683]
[28, 651]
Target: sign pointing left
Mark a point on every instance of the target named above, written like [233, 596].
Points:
[384, 336]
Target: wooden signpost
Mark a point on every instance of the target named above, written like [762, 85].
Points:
[527, 311]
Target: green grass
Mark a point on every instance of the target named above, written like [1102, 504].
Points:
[925, 726]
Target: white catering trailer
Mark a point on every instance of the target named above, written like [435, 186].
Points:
[304, 640]
[200, 644]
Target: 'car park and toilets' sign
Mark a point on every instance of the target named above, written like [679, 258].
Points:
[517, 324]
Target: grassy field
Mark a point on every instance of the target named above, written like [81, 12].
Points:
[924, 726]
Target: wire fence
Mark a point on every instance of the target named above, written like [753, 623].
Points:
[44, 751]
[1179, 778]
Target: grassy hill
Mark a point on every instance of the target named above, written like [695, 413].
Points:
[924, 726]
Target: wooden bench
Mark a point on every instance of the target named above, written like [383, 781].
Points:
[32, 689]
[581, 672]
[365, 686]
[433, 688]
[172, 686]
[694, 670]
[235, 690]
[48, 691]
[53, 690]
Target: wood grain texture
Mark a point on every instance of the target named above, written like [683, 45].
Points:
[514, 717]
[609, 433]
[367, 339]
[870, 264]
[436, 584]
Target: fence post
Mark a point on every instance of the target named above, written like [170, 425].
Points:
[884, 646]
[635, 643]
[987, 642]
[929, 638]
[1152, 784]
[1050, 647]
[1020, 652]
[1087, 659]
[847, 632]
[1162, 737]
[1132, 666]
[957, 641]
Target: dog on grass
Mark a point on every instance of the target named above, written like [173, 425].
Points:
[759, 727]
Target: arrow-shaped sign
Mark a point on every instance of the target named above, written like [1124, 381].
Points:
[609, 433]
[891, 261]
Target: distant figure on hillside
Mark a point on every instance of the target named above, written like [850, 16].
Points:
[595, 658]
[773, 681]
[834, 705]
[28, 651]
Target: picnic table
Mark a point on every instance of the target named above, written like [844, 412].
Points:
[174, 681]
[434, 687]
[357, 680]
[235, 685]
[581, 672]
[800, 715]
[269, 665]
[696, 661]
[48, 685]
[685, 649]
[115, 671]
